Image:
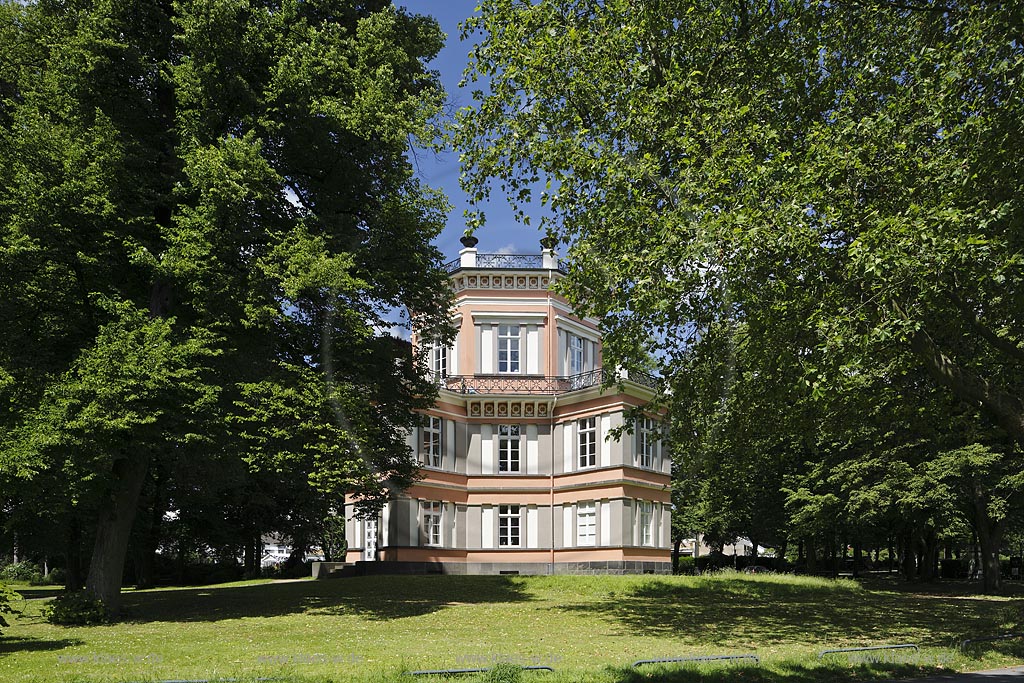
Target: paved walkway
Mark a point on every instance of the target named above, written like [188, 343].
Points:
[1012, 675]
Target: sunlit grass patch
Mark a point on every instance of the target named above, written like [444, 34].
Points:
[587, 628]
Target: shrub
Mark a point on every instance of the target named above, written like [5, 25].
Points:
[54, 578]
[78, 608]
[710, 563]
[7, 596]
[21, 572]
[687, 565]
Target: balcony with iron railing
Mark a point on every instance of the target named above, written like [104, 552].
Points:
[540, 384]
[470, 258]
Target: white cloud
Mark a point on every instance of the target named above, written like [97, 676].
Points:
[400, 332]
[507, 249]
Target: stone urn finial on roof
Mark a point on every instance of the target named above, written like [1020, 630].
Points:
[549, 242]
[468, 241]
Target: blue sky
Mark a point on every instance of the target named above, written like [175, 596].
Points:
[502, 232]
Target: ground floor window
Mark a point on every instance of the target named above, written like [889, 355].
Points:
[508, 525]
[430, 519]
[646, 514]
[586, 524]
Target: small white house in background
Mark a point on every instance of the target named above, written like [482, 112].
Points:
[276, 549]
[742, 546]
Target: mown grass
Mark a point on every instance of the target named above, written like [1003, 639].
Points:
[588, 628]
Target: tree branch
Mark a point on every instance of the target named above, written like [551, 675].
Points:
[974, 322]
[1006, 409]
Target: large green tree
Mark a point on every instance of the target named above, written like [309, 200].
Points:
[207, 215]
[851, 168]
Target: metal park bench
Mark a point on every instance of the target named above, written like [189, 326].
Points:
[454, 672]
[697, 659]
[846, 650]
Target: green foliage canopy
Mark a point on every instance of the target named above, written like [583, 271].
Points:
[793, 205]
[207, 214]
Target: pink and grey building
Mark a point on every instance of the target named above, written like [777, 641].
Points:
[522, 471]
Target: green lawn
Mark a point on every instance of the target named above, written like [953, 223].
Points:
[588, 628]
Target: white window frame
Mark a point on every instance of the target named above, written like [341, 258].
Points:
[586, 524]
[510, 449]
[432, 442]
[577, 354]
[509, 526]
[431, 522]
[509, 352]
[647, 442]
[439, 360]
[645, 510]
[586, 443]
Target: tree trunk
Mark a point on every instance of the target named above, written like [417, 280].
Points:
[148, 538]
[908, 565]
[856, 559]
[675, 554]
[251, 556]
[990, 536]
[929, 554]
[181, 561]
[113, 528]
[73, 555]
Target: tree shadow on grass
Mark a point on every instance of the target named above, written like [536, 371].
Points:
[11, 645]
[370, 597]
[37, 593]
[739, 613]
[784, 672]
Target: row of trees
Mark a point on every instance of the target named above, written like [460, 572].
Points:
[810, 213]
[207, 217]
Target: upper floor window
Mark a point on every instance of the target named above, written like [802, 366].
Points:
[647, 442]
[575, 354]
[430, 447]
[508, 448]
[430, 518]
[508, 525]
[438, 360]
[508, 348]
[587, 441]
[586, 524]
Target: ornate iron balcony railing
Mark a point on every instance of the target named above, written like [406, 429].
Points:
[503, 261]
[538, 384]
[517, 261]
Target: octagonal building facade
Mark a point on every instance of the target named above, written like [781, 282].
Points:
[522, 470]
